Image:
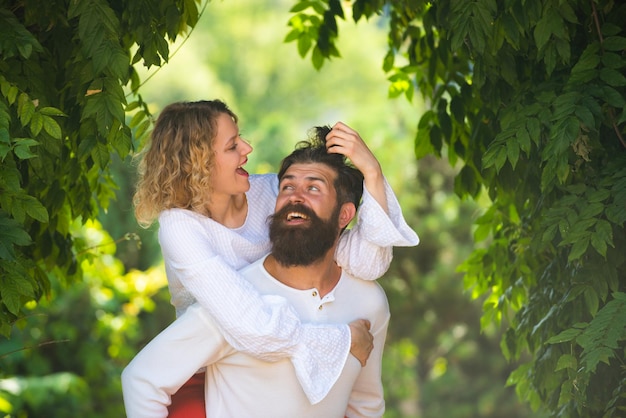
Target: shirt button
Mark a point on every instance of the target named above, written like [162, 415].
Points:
[314, 293]
[321, 307]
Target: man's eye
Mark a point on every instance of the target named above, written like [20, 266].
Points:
[314, 188]
[287, 187]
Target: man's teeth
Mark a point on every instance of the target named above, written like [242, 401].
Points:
[296, 215]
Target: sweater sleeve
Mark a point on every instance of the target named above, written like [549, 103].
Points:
[366, 250]
[265, 328]
[159, 370]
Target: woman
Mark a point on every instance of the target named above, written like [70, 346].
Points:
[212, 221]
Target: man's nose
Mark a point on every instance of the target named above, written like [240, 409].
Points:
[296, 196]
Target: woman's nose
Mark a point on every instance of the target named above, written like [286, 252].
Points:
[247, 149]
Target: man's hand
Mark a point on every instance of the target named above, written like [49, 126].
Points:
[346, 141]
[362, 340]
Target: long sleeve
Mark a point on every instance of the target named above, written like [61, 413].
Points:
[366, 250]
[268, 331]
[167, 362]
[367, 396]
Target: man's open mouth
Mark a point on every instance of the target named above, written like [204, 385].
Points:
[292, 216]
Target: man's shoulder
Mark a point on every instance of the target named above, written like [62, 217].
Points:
[370, 290]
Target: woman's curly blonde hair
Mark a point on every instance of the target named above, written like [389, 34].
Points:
[175, 167]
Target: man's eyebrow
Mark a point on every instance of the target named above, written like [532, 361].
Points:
[307, 178]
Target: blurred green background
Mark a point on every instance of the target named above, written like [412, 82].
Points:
[65, 359]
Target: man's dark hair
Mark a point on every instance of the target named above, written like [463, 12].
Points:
[349, 180]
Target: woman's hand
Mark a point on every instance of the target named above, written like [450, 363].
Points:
[346, 141]
[362, 340]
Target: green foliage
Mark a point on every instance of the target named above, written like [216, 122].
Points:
[63, 69]
[438, 362]
[530, 97]
[64, 357]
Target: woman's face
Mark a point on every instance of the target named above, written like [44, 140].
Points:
[231, 153]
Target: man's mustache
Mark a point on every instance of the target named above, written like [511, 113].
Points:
[295, 207]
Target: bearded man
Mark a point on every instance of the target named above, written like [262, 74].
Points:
[318, 197]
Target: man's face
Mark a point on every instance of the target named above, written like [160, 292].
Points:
[307, 219]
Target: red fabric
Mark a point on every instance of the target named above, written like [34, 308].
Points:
[188, 402]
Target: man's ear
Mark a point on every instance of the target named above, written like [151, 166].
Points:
[346, 214]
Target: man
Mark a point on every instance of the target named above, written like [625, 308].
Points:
[318, 197]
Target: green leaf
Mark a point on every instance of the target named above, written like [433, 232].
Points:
[542, 32]
[301, 5]
[534, 130]
[602, 237]
[423, 145]
[11, 233]
[578, 249]
[101, 155]
[610, 29]
[52, 127]
[141, 130]
[612, 77]
[12, 290]
[26, 109]
[317, 58]
[599, 195]
[613, 97]
[457, 109]
[600, 339]
[22, 148]
[51, 111]
[566, 361]
[290, 37]
[496, 155]
[612, 60]
[85, 146]
[35, 209]
[388, 61]
[564, 336]
[549, 233]
[565, 394]
[36, 123]
[566, 11]
[592, 300]
[523, 139]
[304, 44]
[121, 140]
[512, 152]
[590, 210]
[614, 43]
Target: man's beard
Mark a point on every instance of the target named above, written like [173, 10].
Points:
[302, 245]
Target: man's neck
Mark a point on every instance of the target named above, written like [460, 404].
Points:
[323, 275]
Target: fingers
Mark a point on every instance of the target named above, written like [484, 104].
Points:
[343, 140]
[362, 340]
[366, 323]
[346, 141]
